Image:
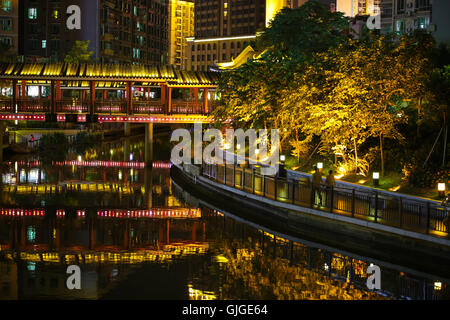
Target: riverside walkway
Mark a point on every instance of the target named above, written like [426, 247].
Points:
[403, 212]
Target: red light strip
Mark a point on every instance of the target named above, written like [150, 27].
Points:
[22, 212]
[193, 213]
[144, 119]
[114, 164]
[31, 117]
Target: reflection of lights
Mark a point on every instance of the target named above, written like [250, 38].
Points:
[326, 267]
[31, 233]
[437, 285]
[15, 166]
[111, 151]
[120, 174]
[31, 266]
[221, 259]
[394, 188]
[226, 146]
[79, 159]
[362, 181]
[196, 294]
[238, 147]
[157, 213]
[131, 157]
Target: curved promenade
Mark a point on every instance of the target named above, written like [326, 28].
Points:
[372, 234]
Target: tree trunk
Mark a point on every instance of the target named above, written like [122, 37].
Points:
[444, 156]
[356, 156]
[419, 115]
[381, 155]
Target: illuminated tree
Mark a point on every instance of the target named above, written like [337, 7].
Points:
[79, 53]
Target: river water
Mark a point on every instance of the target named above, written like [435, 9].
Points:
[136, 235]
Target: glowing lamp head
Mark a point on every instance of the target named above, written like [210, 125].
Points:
[238, 147]
[282, 158]
[441, 187]
[376, 175]
[79, 158]
[226, 146]
[257, 151]
[319, 165]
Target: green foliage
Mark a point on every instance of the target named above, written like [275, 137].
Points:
[79, 53]
[326, 91]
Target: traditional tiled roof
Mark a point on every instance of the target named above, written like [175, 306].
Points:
[80, 73]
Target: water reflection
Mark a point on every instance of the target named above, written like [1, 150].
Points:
[136, 235]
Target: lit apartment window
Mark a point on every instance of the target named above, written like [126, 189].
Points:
[32, 13]
[5, 5]
[6, 40]
[55, 14]
[5, 24]
[44, 44]
[399, 26]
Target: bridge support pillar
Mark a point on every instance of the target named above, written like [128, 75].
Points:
[129, 94]
[58, 90]
[24, 89]
[52, 97]
[195, 95]
[148, 144]
[127, 129]
[14, 95]
[163, 95]
[92, 100]
[2, 132]
[205, 100]
[148, 183]
[169, 100]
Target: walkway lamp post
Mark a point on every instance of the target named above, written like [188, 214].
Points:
[441, 189]
[376, 179]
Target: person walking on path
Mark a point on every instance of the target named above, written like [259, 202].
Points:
[330, 181]
[316, 183]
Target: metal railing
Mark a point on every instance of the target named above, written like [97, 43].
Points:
[414, 215]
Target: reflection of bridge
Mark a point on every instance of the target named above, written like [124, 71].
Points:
[106, 93]
[109, 230]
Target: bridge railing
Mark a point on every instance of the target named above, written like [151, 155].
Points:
[110, 106]
[118, 106]
[6, 105]
[186, 107]
[414, 215]
[148, 107]
[72, 106]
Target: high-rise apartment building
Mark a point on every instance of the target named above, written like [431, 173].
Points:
[9, 24]
[404, 16]
[181, 25]
[120, 31]
[223, 28]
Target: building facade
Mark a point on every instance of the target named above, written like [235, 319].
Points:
[181, 24]
[120, 31]
[403, 16]
[223, 28]
[9, 25]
